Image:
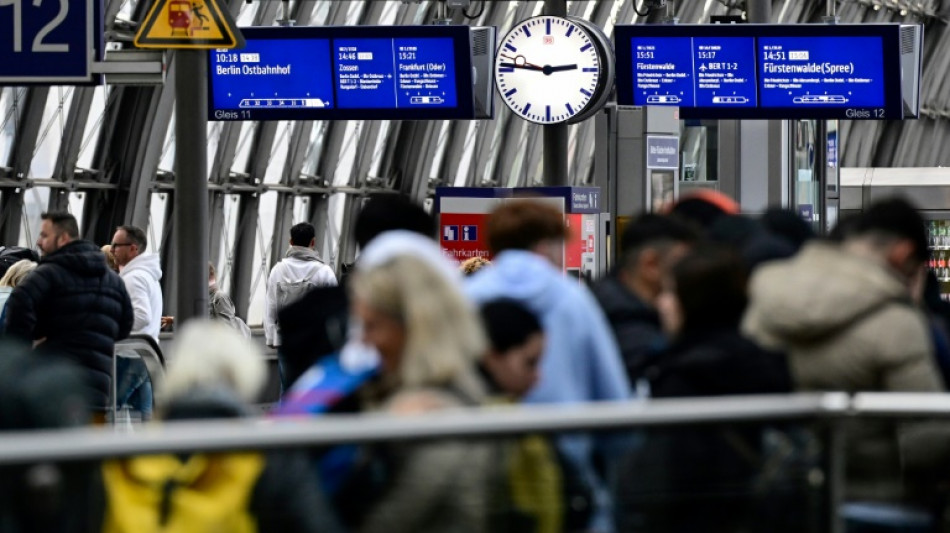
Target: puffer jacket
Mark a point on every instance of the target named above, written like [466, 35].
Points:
[635, 324]
[847, 324]
[79, 306]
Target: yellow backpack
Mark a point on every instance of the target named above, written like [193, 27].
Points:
[203, 493]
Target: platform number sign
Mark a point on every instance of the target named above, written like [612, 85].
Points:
[48, 41]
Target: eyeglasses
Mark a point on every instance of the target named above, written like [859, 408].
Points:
[118, 244]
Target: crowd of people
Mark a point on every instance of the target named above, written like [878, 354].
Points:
[702, 301]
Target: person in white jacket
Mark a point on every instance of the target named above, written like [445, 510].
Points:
[141, 273]
[300, 270]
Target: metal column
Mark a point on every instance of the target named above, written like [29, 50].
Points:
[191, 185]
[555, 135]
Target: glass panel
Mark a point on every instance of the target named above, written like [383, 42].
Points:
[214, 137]
[278, 153]
[167, 162]
[156, 221]
[262, 250]
[11, 108]
[315, 148]
[76, 204]
[93, 126]
[343, 170]
[35, 202]
[331, 245]
[50, 137]
[243, 154]
[226, 255]
[301, 209]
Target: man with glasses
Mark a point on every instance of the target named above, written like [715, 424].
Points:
[72, 305]
[141, 273]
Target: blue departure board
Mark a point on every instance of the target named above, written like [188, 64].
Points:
[821, 71]
[338, 73]
[764, 71]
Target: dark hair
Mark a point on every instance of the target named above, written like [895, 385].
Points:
[787, 225]
[508, 323]
[704, 206]
[711, 287]
[136, 235]
[302, 234]
[211, 272]
[649, 230]
[522, 224]
[391, 212]
[895, 218]
[63, 222]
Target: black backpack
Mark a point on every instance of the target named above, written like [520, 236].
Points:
[10, 255]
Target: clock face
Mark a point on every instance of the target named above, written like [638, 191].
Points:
[548, 69]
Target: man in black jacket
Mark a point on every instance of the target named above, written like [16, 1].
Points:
[650, 246]
[72, 304]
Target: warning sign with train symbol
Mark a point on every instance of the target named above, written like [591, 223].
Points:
[196, 24]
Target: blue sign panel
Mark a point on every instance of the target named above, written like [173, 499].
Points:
[821, 71]
[663, 70]
[725, 72]
[335, 73]
[763, 70]
[49, 42]
[274, 75]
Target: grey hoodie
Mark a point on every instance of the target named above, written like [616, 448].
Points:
[847, 324]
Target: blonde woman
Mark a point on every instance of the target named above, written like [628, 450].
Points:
[11, 279]
[429, 339]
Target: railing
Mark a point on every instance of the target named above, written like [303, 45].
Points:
[828, 410]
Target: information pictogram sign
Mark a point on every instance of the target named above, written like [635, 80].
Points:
[188, 24]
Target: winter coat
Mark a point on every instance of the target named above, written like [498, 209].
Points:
[635, 324]
[300, 270]
[709, 470]
[141, 276]
[427, 487]
[847, 324]
[79, 306]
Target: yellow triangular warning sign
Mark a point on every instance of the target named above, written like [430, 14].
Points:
[194, 24]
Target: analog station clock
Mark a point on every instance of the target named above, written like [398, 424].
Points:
[551, 70]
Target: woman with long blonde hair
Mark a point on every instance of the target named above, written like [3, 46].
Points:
[429, 339]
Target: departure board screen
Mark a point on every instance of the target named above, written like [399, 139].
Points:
[748, 71]
[338, 73]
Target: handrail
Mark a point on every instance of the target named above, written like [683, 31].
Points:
[261, 433]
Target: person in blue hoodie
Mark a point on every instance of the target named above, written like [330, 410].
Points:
[581, 360]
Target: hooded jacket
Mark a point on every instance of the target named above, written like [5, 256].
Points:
[581, 362]
[301, 267]
[848, 324]
[79, 306]
[141, 276]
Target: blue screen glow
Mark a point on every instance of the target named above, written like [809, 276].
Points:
[395, 73]
[344, 73]
[767, 71]
[725, 72]
[821, 71]
[273, 75]
[663, 71]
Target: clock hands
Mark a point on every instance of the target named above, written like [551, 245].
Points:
[520, 63]
[560, 68]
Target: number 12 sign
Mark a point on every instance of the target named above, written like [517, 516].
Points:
[48, 41]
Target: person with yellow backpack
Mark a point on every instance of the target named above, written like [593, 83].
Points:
[536, 489]
[215, 373]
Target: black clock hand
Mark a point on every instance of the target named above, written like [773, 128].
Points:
[559, 68]
[526, 66]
